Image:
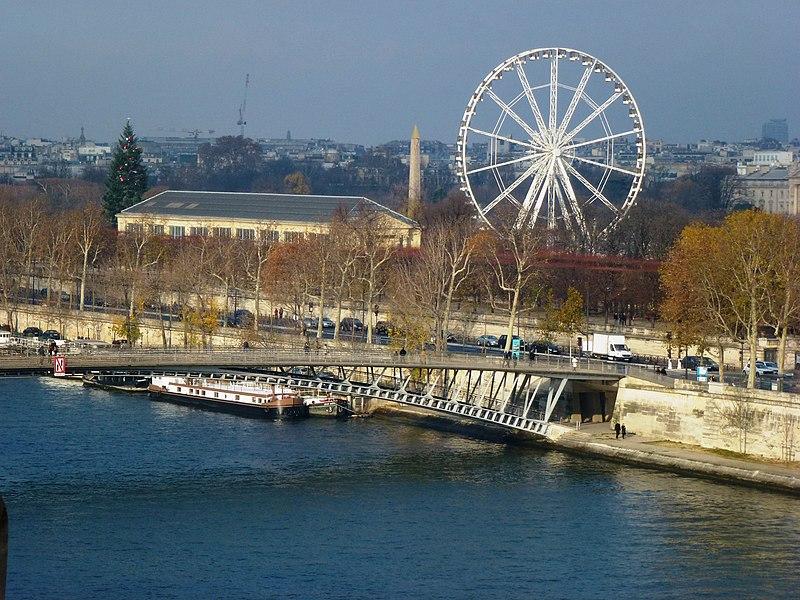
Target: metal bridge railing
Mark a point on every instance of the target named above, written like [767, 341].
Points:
[375, 357]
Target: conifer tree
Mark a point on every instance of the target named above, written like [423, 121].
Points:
[127, 176]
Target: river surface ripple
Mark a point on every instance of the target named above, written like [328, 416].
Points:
[114, 496]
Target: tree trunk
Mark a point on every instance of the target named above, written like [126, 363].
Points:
[84, 271]
[368, 316]
[161, 323]
[782, 350]
[225, 311]
[338, 318]
[321, 310]
[257, 311]
[751, 373]
[448, 302]
[512, 315]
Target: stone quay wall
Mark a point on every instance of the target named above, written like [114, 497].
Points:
[713, 416]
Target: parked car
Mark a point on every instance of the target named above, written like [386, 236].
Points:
[328, 375]
[351, 324]
[544, 347]
[48, 335]
[241, 318]
[302, 371]
[312, 322]
[487, 341]
[31, 332]
[501, 342]
[762, 368]
[120, 344]
[692, 362]
[383, 327]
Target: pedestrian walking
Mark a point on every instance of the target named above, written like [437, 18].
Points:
[403, 352]
[624, 431]
[617, 429]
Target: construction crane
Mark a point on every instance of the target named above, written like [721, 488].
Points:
[243, 106]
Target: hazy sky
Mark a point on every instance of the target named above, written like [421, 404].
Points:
[367, 71]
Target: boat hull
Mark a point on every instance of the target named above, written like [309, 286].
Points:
[330, 410]
[296, 411]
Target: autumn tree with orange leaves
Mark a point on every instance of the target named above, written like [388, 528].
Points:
[718, 280]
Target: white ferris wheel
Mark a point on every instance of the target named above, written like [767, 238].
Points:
[558, 143]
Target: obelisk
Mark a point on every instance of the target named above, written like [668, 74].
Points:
[414, 178]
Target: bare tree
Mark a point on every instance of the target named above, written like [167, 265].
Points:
[431, 280]
[512, 262]
[740, 415]
[256, 256]
[344, 248]
[375, 251]
[91, 235]
[12, 261]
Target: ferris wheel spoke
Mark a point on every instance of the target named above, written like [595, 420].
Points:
[589, 186]
[573, 104]
[531, 156]
[532, 193]
[592, 116]
[506, 193]
[545, 192]
[612, 136]
[552, 115]
[526, 87]
[565, 214]
[604, 165]
[504, 138]
[573, 200]
[511, 113]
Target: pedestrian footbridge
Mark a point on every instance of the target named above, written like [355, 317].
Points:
[523, 396]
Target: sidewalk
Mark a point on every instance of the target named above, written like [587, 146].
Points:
[598, 438]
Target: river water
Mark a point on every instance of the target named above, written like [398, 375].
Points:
[115, 496]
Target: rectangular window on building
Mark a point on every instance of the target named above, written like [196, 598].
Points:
[271, 235]
[292, 236]
[222, 232]
[199, 231]
[177, 231]
[246, 234]
[157, 229]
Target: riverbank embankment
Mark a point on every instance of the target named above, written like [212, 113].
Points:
[652, 452]
[598, 440]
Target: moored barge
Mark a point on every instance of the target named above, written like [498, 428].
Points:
[247, 398]
[326, 406]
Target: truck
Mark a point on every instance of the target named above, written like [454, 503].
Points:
[612, 347]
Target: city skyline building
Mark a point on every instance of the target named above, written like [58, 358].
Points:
[776, 129]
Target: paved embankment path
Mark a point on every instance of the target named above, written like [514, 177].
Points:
[599, 439]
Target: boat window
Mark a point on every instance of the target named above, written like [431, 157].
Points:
[216, 394]
[237, 396]
[179, 388]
